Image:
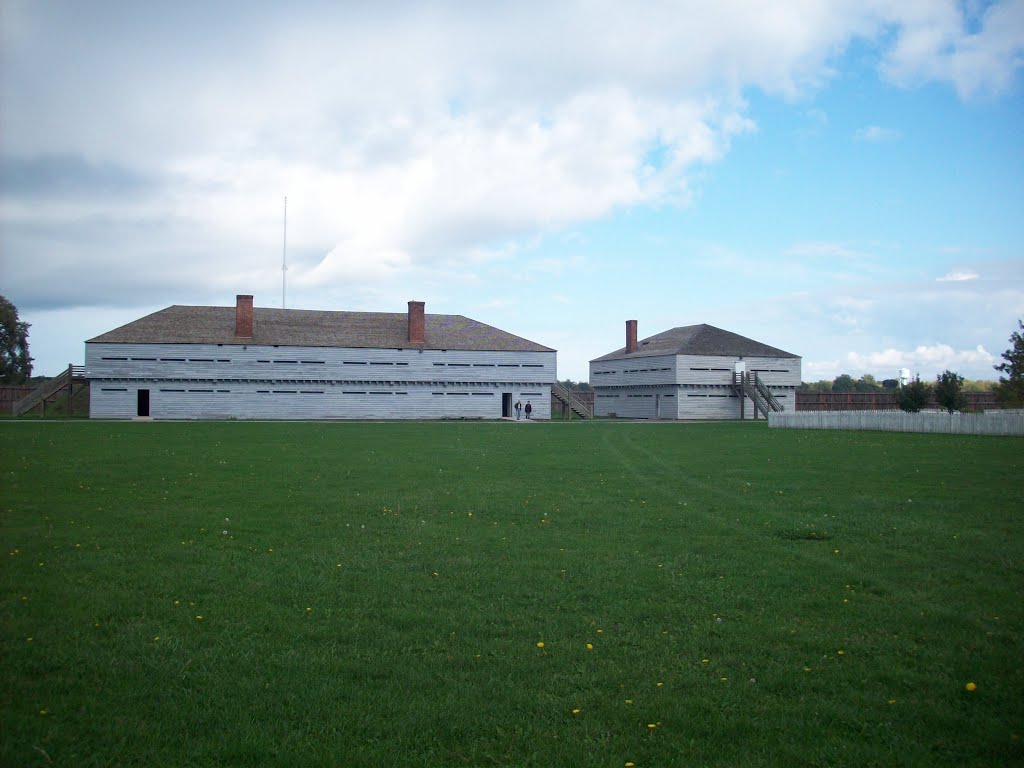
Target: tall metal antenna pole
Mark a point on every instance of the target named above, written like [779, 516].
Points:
[284, 254]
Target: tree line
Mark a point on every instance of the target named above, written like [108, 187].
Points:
[868, 383]
[949, 388]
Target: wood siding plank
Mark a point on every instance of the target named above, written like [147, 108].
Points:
[188, 381]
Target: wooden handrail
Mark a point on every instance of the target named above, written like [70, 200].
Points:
[578, 405]
[766, 393]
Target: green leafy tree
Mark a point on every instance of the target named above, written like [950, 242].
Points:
[844, 383]
[569, 384]
[949, 391]
[976, 385]
[15, 363]
[1011, 387]
[867, 383]
[914, 396]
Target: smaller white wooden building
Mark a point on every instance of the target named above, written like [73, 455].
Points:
[245, 362]
[693, 372]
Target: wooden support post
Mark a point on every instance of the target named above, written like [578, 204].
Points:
[71, 388]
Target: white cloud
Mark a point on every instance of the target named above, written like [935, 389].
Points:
[935, 44]
[923, 359]
[876, 133]
[818, 370]
[958, 276]
[824, 250]
[817, 117]
[555, 266]
[405, 134]
[856, 303]
[987, 61]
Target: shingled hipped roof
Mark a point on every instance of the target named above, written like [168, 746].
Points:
[314, 328]
[700, 339]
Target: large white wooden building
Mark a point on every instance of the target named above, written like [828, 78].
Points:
[187, 362]
[693, 372]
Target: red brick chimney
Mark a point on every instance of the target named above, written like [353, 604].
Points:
[631, 345]
[417, 323]
[243, 316]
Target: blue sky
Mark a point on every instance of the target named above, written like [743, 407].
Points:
[844, 180]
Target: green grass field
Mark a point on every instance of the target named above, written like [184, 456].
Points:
[478, 594]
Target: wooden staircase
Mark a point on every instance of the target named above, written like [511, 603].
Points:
[574, 402]
[750, 386]
[49, 390]
[767, 395]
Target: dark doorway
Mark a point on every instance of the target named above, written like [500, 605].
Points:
[506, 405]
[143, 402]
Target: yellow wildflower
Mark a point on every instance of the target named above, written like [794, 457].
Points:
[971, 687]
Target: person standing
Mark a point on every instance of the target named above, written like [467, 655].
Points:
[529, 409]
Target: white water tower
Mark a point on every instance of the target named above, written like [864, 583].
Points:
[904, 376]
